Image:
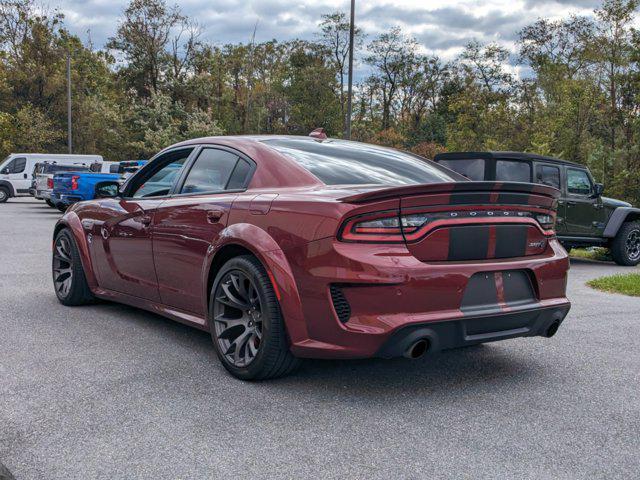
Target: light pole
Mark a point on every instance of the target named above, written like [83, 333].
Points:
[69, 140]
[347, 130]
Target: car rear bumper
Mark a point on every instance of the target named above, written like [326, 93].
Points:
[43, 194]
[475, 330]
[65, 199]
[363, 301]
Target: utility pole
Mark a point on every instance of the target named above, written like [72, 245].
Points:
[69, 140]
[347, 130]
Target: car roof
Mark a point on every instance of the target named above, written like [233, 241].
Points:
[506, 154]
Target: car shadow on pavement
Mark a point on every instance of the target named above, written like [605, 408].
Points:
[433, 374]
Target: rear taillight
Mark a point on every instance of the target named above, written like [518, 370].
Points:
[547, 222]
[74, 182]
[50, 183]
[378, 227]
[391, 227]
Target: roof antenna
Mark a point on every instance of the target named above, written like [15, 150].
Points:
[318, 134]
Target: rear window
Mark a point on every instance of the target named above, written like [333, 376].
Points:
[337, 162]
[513, 171]
[472, 168]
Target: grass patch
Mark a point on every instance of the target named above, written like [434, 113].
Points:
[592, 253]
[627, 284]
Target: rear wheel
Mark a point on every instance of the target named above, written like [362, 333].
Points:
[69, 279]
[246, 324]
[625, 248]
[50, 203]
[4, 194]
[62, 207]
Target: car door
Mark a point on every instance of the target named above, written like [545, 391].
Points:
[122, 239]
[584, 212]
[191, 220]
[16, 172]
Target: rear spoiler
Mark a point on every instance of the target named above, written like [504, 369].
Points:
[457, 187]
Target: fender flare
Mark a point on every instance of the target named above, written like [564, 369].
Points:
[8, 186]
[267, 250]
[617, 218]
[71, 221]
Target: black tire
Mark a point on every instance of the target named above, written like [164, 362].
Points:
[625, 247]
[61, 207]
[273, 358]
[50, 203]
[69, 280]
[4, 194]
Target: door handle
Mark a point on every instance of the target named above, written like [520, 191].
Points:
[25, 175]
[145, 220]
[214, 216]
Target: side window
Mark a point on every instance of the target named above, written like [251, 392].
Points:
[513, 171]
[210, 172]
[17, 165]
[239, 176]
[158, 181]
[472, 168]
[578, 182]
[548, 175]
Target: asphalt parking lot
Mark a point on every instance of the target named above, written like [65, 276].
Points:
[109, 391]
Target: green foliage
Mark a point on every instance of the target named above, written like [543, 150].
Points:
[627, 284]
[157, 82]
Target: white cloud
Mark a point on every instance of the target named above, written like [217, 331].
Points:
[442, 27]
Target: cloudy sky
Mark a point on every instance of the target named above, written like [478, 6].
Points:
[442, 27]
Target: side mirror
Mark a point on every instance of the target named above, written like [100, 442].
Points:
[5, 171]
[598, 189]
[107, 189]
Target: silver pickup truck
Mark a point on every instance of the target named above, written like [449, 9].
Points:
[42, 184]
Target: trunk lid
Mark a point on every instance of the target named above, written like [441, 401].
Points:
[469, 221]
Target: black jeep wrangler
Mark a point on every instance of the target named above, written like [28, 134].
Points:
[585, 217]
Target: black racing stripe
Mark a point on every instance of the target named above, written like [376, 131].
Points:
[480, 292]
[522, 187]
[474, 198]
[511, 241]
[511, 198]
[468, 243]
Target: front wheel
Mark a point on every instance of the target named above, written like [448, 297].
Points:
[246, 324]
[625, 248]
[4, 195]
[50, 203]
[69, 280]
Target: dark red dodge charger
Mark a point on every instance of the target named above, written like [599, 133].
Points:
[291, 247]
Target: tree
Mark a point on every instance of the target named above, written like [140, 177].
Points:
[143, 39]
[334, 35]
[391, 55]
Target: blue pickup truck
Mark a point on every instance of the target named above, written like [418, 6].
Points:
[72, 187]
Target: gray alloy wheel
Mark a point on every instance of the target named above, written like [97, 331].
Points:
[625, 247]
[237, 316]
[246, 323]
[633, 245]
[4, 195]
[62, 266]
[69, 280]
